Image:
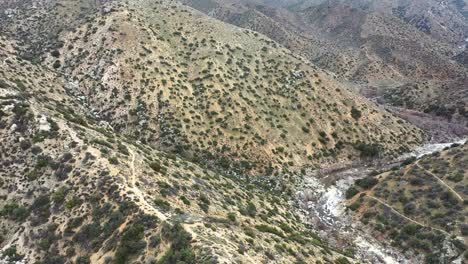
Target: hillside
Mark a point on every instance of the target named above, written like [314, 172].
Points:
[149, 132]
[75, 191]
[419, 207]
[208, 91]
[382, 47]
[444, 21]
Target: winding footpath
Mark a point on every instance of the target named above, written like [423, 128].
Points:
[405, 217]
[440, 181]
[145, 206]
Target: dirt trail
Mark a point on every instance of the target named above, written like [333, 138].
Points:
[141, 201]
[405, 217]
[440, 180]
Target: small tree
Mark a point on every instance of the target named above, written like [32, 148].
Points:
[356, 113]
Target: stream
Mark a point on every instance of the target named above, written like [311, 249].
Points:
[323, 203]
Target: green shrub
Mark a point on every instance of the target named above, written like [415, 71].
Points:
[231, 216]
[113, 160]
[249, 210]
[12, 254]
[181, 250]
[269, 229]
[410, 229]
[164, 205]
[355, 113]
[367, 183]
[342, 260]
[351, 192]
[204, 199]
[123, 149]
[354, 206]
[185, 200]
[156, 166]
[83, 260]
[102, 142]
[368, 150]
[58, 196]
[456, 177]
[286, 228]
[130, 243]
[14, 212]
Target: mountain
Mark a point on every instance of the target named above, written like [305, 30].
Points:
[419, 206]
[74, 190]
[404, 53]
[250, 106]
[149, 132]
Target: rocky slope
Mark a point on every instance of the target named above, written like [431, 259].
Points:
[418, 207]
[176, 79]
[73, 190]
[147, 132]
[383, 47]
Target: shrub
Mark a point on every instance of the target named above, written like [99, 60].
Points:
[130, 243]
[204, 199]
[14, 212]
[409, 208]
[58, 196]
[123, 149]
[416, 181]
[156, 166]
[231, 216]
[25, 144]
[56, 64]
[410, 229]
[83, 260]
[456, 177]
[269, 229]
[249, 210]
[164, 205]
[185, 200]
[355, 113]
[87, 233]
[113, 160]
[286, 228]
[368, 150]
[55, 53]
[351, 192]
[280, 149]
[12, 254]
[102, 142]
[180, 250]
[354, 206]
[449, 199]
[367, 183]
[72, 202]
[408, 161]
[249, 232]
[342, 260]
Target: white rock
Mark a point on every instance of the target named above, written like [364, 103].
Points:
[44, 124]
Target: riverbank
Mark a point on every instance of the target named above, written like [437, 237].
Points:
[322, 200]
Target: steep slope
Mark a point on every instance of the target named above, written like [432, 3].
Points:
[442, 20]
[74, 191]
[378, 45]
[172, 77]
[419, 207]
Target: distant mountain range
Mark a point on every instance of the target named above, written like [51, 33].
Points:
[406, 53]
